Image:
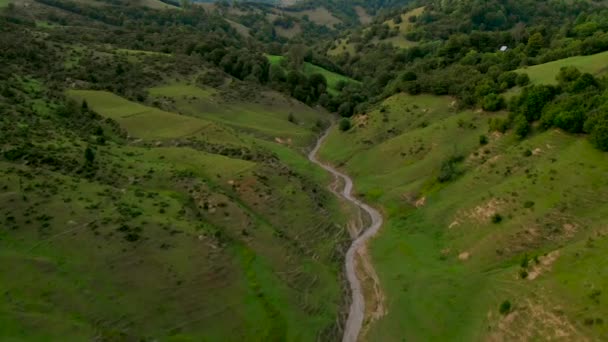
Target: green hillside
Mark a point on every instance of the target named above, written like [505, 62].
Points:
[463, 218]
[546, 73]
[166, 170]
[333, 79]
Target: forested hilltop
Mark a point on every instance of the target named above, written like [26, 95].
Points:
[155, 182]
[478, 52]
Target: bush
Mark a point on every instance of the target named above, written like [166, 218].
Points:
[528, 204]
[521, 126]
[409, 76]
[496, 218]
[345, 124]
[89, 155]
[522, 79]
[525, 261]
[493, 102]
[599, 135]
[570, 121]
[505, 307]
[448, 169]
[498, 125]
[527, 152]
[483, 140]
[346, 109]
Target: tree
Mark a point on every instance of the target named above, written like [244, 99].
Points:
[570, 120]
[567, 74]
[483, 140]
[599, 134]
[535, 43]
[345, 124]
[521, 126]
[291, 118]
[409, 76]
[533, 100]
[493, 102]
[277, 74]
[346, 109]
[89, 155]
[185, 4]
[584, 82]
[296, 55]
[505, 307]
[522, 79]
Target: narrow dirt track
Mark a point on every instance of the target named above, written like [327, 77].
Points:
[356, 313]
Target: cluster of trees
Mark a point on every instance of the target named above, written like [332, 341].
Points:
[458, 50]
[578, 104]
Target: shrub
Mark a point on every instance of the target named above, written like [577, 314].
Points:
[528, 204]
[498, 125]
[527, 153]
[493, 102]
[570, 121]
[448, 169]
[522, 79]
[346, 109]
[483, 140]
[409, 76]
[505, 307]
[521, 126]
[523, 274]
[525, 261]
[599, 135]
[89, 155]
[496, 218]
[345, 124]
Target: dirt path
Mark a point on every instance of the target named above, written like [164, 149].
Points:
[356, 313]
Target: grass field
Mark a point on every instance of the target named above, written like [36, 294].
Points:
[142, 121]
[319, 16]
[4, 3]
[308, 69]
[545, 73]
[267, 117]
[444, 265]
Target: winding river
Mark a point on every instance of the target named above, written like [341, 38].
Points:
[356, 312]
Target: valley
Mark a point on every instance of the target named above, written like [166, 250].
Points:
[305, 170]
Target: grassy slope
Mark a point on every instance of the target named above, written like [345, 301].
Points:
[331, 77]
[545, 73]
[226, 248]
[399, 41]
[267, 117]
[141, 121]
[319, 15]
[432, 294]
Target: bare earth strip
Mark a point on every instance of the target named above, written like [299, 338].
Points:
[357, 249]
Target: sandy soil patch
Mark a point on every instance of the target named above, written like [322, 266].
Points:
[544, 264]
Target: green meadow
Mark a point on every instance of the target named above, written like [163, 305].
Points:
[309, 69]
[267, 117]
[546, 73]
